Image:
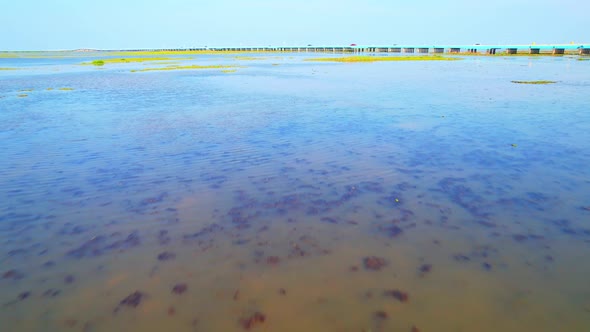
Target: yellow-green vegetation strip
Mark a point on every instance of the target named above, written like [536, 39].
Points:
[65, 89]
[368, 58]
[8, 68]
[183, 68]
[23, 95]
[249, 58]
[534, 82]
[207, 52]
[103, 62]
[227, 71]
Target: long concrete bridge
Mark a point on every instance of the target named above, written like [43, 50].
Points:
[555, 49]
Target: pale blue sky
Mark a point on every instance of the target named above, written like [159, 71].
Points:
[120, 24]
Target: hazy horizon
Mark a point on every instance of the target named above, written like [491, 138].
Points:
[69, 25]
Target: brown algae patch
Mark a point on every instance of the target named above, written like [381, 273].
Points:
[369, 58]
[184, 68]
[534, 82]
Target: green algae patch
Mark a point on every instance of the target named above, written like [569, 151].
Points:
[534, 82]
[369, 58]
[97, 63]
[184, 68]
[65, 89]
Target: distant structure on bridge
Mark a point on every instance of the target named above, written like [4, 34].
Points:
[554, 49]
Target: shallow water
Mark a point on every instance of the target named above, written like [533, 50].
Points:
[265, 191]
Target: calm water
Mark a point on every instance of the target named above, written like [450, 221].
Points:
[295, 196]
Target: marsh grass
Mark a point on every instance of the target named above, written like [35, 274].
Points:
[370, 58]
[191, 67]
[534, 82]
[248, 58]
[103, 62]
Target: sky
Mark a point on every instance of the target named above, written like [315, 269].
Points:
[132, 24]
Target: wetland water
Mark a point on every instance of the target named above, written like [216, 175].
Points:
[295, 196]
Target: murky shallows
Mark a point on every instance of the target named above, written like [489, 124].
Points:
[296, 196]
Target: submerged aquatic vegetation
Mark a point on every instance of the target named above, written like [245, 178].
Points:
[370, 58]
[534, 82]
[183, 68]
[23, 95]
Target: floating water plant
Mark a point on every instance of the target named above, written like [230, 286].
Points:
[368, 58]
[98, 62]
[534, 82]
